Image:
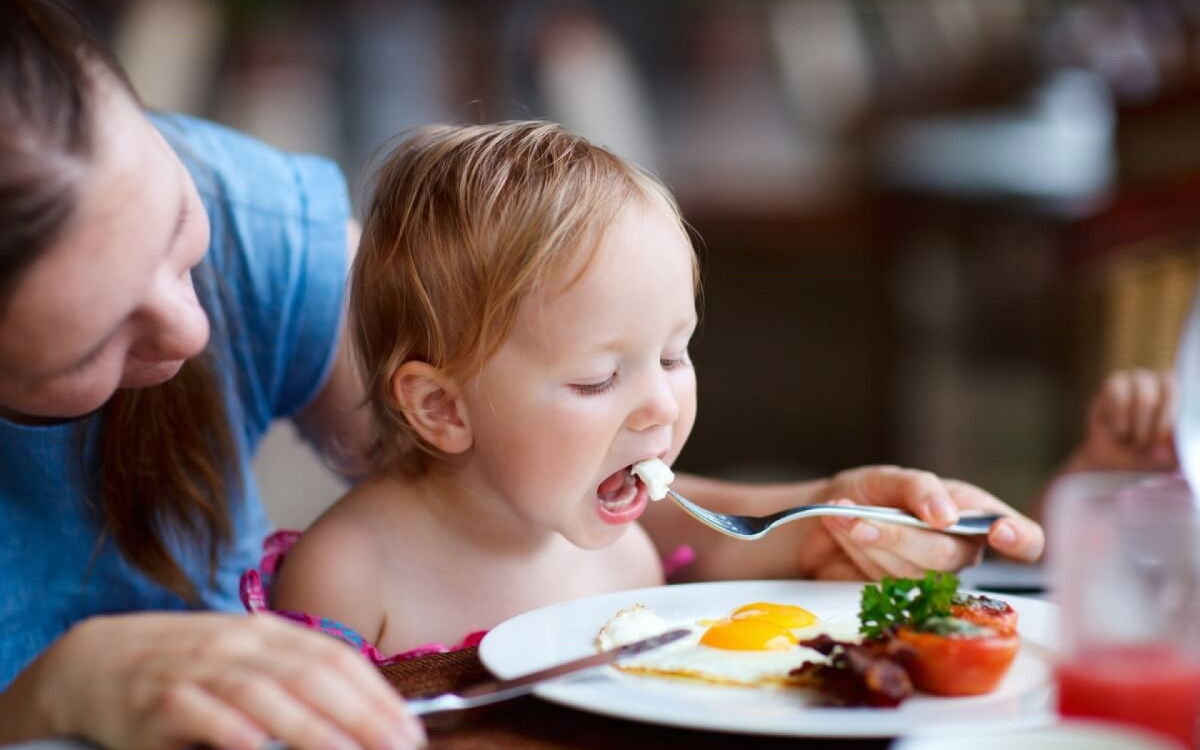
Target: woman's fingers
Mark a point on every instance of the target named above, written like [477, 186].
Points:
[889, 562]
[880, 549]
[319, 651]
[1016, 536]
[920, 492]
[925, 550]
[188, 715]
[165, 681]
[342, 715]
[938, 502]
[865, 568]
[888, 549]
[278, 711]
[903, 551]
[332, 682]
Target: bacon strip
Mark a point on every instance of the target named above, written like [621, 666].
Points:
[857, 674]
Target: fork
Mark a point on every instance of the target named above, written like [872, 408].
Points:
[753, 527]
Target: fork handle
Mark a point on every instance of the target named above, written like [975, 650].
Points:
[455, 702]
[447, 702]
[969, 525]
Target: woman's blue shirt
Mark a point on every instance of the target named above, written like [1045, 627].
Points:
[273, 282]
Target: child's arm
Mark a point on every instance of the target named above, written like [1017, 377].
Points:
[334, 422]
[839, 548]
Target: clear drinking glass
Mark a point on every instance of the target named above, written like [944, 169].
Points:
[1124, 556]
[1187, 375]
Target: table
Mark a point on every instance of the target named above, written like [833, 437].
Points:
[532, 724]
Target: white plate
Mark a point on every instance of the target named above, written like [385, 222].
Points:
[1068, 735]
[565, 631]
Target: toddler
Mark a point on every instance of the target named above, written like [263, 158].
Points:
[521, 307]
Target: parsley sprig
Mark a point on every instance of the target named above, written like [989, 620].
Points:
[905, 601]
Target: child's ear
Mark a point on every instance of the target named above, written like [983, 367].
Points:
[430, 401]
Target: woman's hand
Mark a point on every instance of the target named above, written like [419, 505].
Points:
[839, 548]
[173, 680]
[857, 548]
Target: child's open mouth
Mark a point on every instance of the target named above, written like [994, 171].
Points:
[622, 497]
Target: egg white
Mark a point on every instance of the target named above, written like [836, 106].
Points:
[690, 659]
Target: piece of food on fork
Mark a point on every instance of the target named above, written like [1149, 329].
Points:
[656, 475]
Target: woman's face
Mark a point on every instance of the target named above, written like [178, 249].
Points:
[110, 304]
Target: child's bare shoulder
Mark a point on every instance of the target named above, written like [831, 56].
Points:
[348, 532]
[333, 569]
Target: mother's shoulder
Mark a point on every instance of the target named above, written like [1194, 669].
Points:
[236, 169]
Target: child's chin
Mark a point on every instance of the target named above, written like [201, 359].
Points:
[598, 537]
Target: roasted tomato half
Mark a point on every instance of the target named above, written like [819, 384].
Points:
[966, 663]
[985, 612]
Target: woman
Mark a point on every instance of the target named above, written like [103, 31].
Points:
[167, 288]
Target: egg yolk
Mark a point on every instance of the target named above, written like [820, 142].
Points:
[785, 615]
[748, 635]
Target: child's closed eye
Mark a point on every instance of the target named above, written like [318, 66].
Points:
[593, 389]
[675, 363]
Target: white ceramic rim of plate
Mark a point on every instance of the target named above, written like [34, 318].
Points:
[1068, 733]
[562, 631]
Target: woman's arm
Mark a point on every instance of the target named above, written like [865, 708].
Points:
[175, 680]
[335, 422]
[838, 548]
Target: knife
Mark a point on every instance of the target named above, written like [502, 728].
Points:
[494, 691]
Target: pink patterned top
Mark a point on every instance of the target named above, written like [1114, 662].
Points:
[256, 582]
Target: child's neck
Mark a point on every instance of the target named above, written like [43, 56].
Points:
[470, 512]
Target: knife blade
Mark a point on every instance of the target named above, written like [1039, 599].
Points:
[494, 691]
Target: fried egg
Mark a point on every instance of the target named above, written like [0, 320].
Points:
[753, 645]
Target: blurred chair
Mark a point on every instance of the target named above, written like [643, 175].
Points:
[1132, 270]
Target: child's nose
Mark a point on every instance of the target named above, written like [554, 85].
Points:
[659, 405]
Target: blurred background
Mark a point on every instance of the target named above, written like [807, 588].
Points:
[928, 228]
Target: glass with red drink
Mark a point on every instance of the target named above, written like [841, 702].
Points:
[1125, 559]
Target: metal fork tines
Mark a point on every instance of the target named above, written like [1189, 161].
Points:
[753, 527]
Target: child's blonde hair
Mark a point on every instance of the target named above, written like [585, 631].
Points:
[464, 223]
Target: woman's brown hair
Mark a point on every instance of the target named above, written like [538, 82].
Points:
[166, 454]
[465, 222]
